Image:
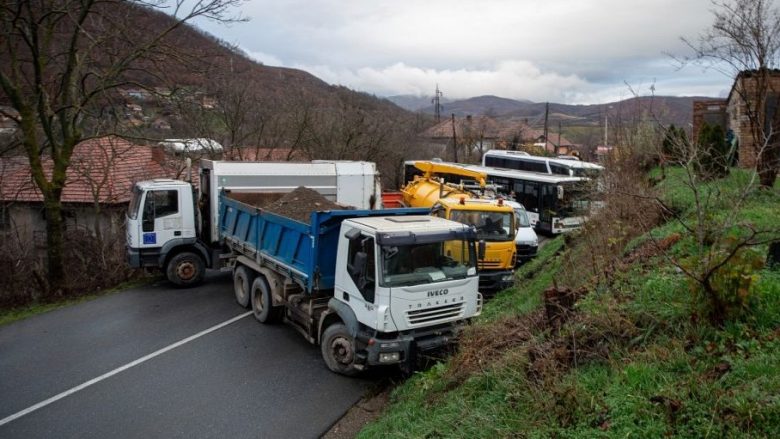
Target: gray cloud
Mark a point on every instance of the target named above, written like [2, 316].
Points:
[560, 50]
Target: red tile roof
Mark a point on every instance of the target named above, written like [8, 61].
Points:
[103, 169]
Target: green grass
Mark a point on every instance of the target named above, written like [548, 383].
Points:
[14, 314]
[530, 280]
[663, 371]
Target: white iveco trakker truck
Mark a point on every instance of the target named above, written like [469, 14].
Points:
[371, 287]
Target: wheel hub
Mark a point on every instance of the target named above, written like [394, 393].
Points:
[342, 350]
[186, 270]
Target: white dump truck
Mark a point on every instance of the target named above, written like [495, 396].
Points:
[371, 287]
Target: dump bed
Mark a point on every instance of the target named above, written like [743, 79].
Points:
[304, 252]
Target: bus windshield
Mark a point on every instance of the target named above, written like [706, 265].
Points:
[491, 226]
[415, 264]
[575, 202]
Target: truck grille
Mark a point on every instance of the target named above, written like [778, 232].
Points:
[488, 265]
[525, 250]
[429, 315]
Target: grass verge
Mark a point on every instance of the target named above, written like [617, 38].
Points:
[634, 357]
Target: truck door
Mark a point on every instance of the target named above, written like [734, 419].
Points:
[161, 219]
[361, 268]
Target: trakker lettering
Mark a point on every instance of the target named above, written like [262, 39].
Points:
[434, 293]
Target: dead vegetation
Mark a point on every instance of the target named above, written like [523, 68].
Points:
[95, 262]
[557, 337]
[552, 340]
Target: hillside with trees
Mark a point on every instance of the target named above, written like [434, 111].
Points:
[72, 71]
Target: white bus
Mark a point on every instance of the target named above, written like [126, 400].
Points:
[522, 161]
[554, 203]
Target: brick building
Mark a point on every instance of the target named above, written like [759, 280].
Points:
[750, 111]
[712, 112]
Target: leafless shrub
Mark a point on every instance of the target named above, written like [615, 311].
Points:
[21, 271]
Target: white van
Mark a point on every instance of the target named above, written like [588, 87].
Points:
[526, 241]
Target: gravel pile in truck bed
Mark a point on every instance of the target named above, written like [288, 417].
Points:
[300, 203]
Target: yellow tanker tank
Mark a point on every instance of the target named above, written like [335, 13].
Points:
[427, 189]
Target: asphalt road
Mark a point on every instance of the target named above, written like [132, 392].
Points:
[243, 379]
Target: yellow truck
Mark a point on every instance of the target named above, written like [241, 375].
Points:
[493, 219]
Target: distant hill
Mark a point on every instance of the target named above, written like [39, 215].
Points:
[414, 102]
[667, 109]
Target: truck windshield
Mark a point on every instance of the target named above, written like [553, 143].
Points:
[135, 203]
[491, 226]
[416, 264]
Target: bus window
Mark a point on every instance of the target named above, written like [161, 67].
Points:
[535, 166]
[529, 197]
[549, 197]
[496, 162]
[561, 170]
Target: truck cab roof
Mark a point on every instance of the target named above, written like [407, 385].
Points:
[408, 223]
[167, 182]
[475, 204]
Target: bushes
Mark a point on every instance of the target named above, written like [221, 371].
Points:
[94, 262]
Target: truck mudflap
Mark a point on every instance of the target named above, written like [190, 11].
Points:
[491, 282]
[405, 347]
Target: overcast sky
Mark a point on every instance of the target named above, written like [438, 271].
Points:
[567, 51]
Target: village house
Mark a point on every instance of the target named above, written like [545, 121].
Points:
[96, 193]
[98, 185]
[477, 134]
[748, 121]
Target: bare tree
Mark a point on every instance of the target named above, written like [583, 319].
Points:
[64, 61]
[744, 43]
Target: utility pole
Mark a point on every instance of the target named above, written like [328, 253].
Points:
[546, 127]
[454, 140]
[436, 101]
[558, 146]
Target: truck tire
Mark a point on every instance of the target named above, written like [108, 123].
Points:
[185, 269]
[242, 284]
[262, 302]
[338, 350]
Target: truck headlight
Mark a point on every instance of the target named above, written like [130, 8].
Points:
[508, 277]
[389, 357]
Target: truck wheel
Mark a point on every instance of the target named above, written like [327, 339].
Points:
[242, 284]
[338, 350]
[262, 303]
[185, 269]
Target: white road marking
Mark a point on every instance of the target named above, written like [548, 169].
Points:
[120, 369]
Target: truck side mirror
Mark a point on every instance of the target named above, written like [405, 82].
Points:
[352, 234]
[481, 248]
